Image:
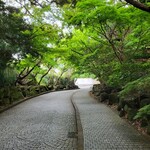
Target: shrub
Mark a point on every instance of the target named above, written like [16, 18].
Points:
[144, 114]
[7, 77]
[136, 88]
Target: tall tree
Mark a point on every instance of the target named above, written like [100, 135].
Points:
[13, 40]
[114, 28]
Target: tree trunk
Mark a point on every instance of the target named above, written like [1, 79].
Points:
[21, 77]
[59, 77]
[44, 75]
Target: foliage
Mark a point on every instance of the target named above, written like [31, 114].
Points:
[144, 113]
[106, 41]
[127, 72]
[13, 40]
[136, 87]
[102, 39]
[7, 77]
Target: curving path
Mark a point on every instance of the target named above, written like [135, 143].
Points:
[46, 122]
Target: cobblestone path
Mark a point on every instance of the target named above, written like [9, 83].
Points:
[103, 129]
[42, 123]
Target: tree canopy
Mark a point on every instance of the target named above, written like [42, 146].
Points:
[108, 39]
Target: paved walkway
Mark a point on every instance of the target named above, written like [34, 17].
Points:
[42, 123]
[103, 129]
[47, 122]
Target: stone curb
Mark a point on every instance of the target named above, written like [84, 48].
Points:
[25, 99]
[21, 101]
[80, 140]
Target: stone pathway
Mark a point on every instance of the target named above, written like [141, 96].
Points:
[46, 122]
[103, 129]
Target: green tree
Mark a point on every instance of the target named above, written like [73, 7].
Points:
[115, 30]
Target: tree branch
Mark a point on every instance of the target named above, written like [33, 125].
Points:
[21, 77]
[77, 52]
[138, 5]
[45, 74]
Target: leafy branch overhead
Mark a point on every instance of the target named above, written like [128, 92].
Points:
[142, 4]
[107, 39]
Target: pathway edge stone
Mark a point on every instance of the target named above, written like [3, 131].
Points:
[28, 98]
[80, 139]
[21, 101]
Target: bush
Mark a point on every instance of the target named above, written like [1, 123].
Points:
[7, 77]
[144, 114]
[136, 88]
